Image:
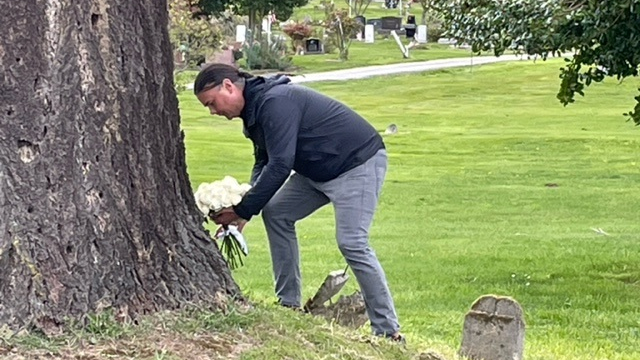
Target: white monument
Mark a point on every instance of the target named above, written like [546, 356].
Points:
[369, 34]
[421, 35]
[241, 33]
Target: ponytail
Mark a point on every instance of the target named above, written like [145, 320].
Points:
[214, 74]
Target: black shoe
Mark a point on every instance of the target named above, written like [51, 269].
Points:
[397, 337]
[292, 307]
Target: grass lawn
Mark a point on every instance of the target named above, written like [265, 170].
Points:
[465, 210]
[381, 52]
[374, 11]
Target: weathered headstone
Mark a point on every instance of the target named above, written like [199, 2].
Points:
[422, 34]
[493, 329]
[369, 34]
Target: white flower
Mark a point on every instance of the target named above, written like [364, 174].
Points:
[220, 194]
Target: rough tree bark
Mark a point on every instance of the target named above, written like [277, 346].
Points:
[96, 209]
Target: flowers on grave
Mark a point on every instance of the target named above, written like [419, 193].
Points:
[216, 196]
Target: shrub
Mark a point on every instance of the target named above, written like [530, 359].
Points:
[261, 55]
[297, 32]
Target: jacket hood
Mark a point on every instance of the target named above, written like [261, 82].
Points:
[254, 90]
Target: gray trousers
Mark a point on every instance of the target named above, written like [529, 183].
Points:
[354, 196]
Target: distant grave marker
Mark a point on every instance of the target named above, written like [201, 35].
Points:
[313, 46]
[369, 34]
[390, 23]
[422, 34]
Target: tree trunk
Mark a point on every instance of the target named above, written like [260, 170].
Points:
[426, 4]
[96, 209]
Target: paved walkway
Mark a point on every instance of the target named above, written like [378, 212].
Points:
[399, 68]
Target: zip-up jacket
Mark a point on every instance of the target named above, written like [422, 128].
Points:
[293, 127]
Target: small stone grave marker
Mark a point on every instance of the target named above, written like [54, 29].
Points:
[493, 330]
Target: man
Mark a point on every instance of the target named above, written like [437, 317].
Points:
[336, 157]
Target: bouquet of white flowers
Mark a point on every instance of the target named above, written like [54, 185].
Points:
[215, 196]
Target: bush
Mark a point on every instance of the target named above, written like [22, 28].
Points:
[262, 55]
[435, 31]
[298, 32]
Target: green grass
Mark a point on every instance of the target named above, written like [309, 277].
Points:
[374, 11]
[465, 210]
[381, 52]
[259, 333]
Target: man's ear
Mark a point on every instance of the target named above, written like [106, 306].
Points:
[228, 84]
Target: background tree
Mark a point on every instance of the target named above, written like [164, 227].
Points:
[340, 28]
[193, 34]
[96, 206]
[603, 35]
[426, 8]
[256, 10]
[358, 7]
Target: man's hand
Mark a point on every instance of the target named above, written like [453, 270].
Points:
[226, 217]
[240, 225]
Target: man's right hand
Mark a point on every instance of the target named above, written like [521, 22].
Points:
[240, 225]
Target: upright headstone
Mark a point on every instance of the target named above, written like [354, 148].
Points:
[241, 33]
[410, 27]
[377, 23]
[390, 23]
[493, 330]
[422, 34]
[313, 46]
[369, 34]
[266, 25]
[362, 21]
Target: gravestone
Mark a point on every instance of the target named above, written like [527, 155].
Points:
[241, 33]
[422, 34]
[362, 21]
[266, 26]
[390, 23]
[391, 4]
[313, 46]
[369, 34]
[493, 330]
[447, 41]
[377, 23]
[410, 27]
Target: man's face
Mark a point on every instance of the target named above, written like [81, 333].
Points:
[225, 99]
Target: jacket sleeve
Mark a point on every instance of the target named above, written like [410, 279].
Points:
[261, 160]
[280, 120]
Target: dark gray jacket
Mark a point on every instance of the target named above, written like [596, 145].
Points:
[296, 128]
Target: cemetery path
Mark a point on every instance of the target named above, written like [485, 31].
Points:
[399, 68]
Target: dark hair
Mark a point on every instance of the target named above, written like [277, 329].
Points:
[213, 75]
